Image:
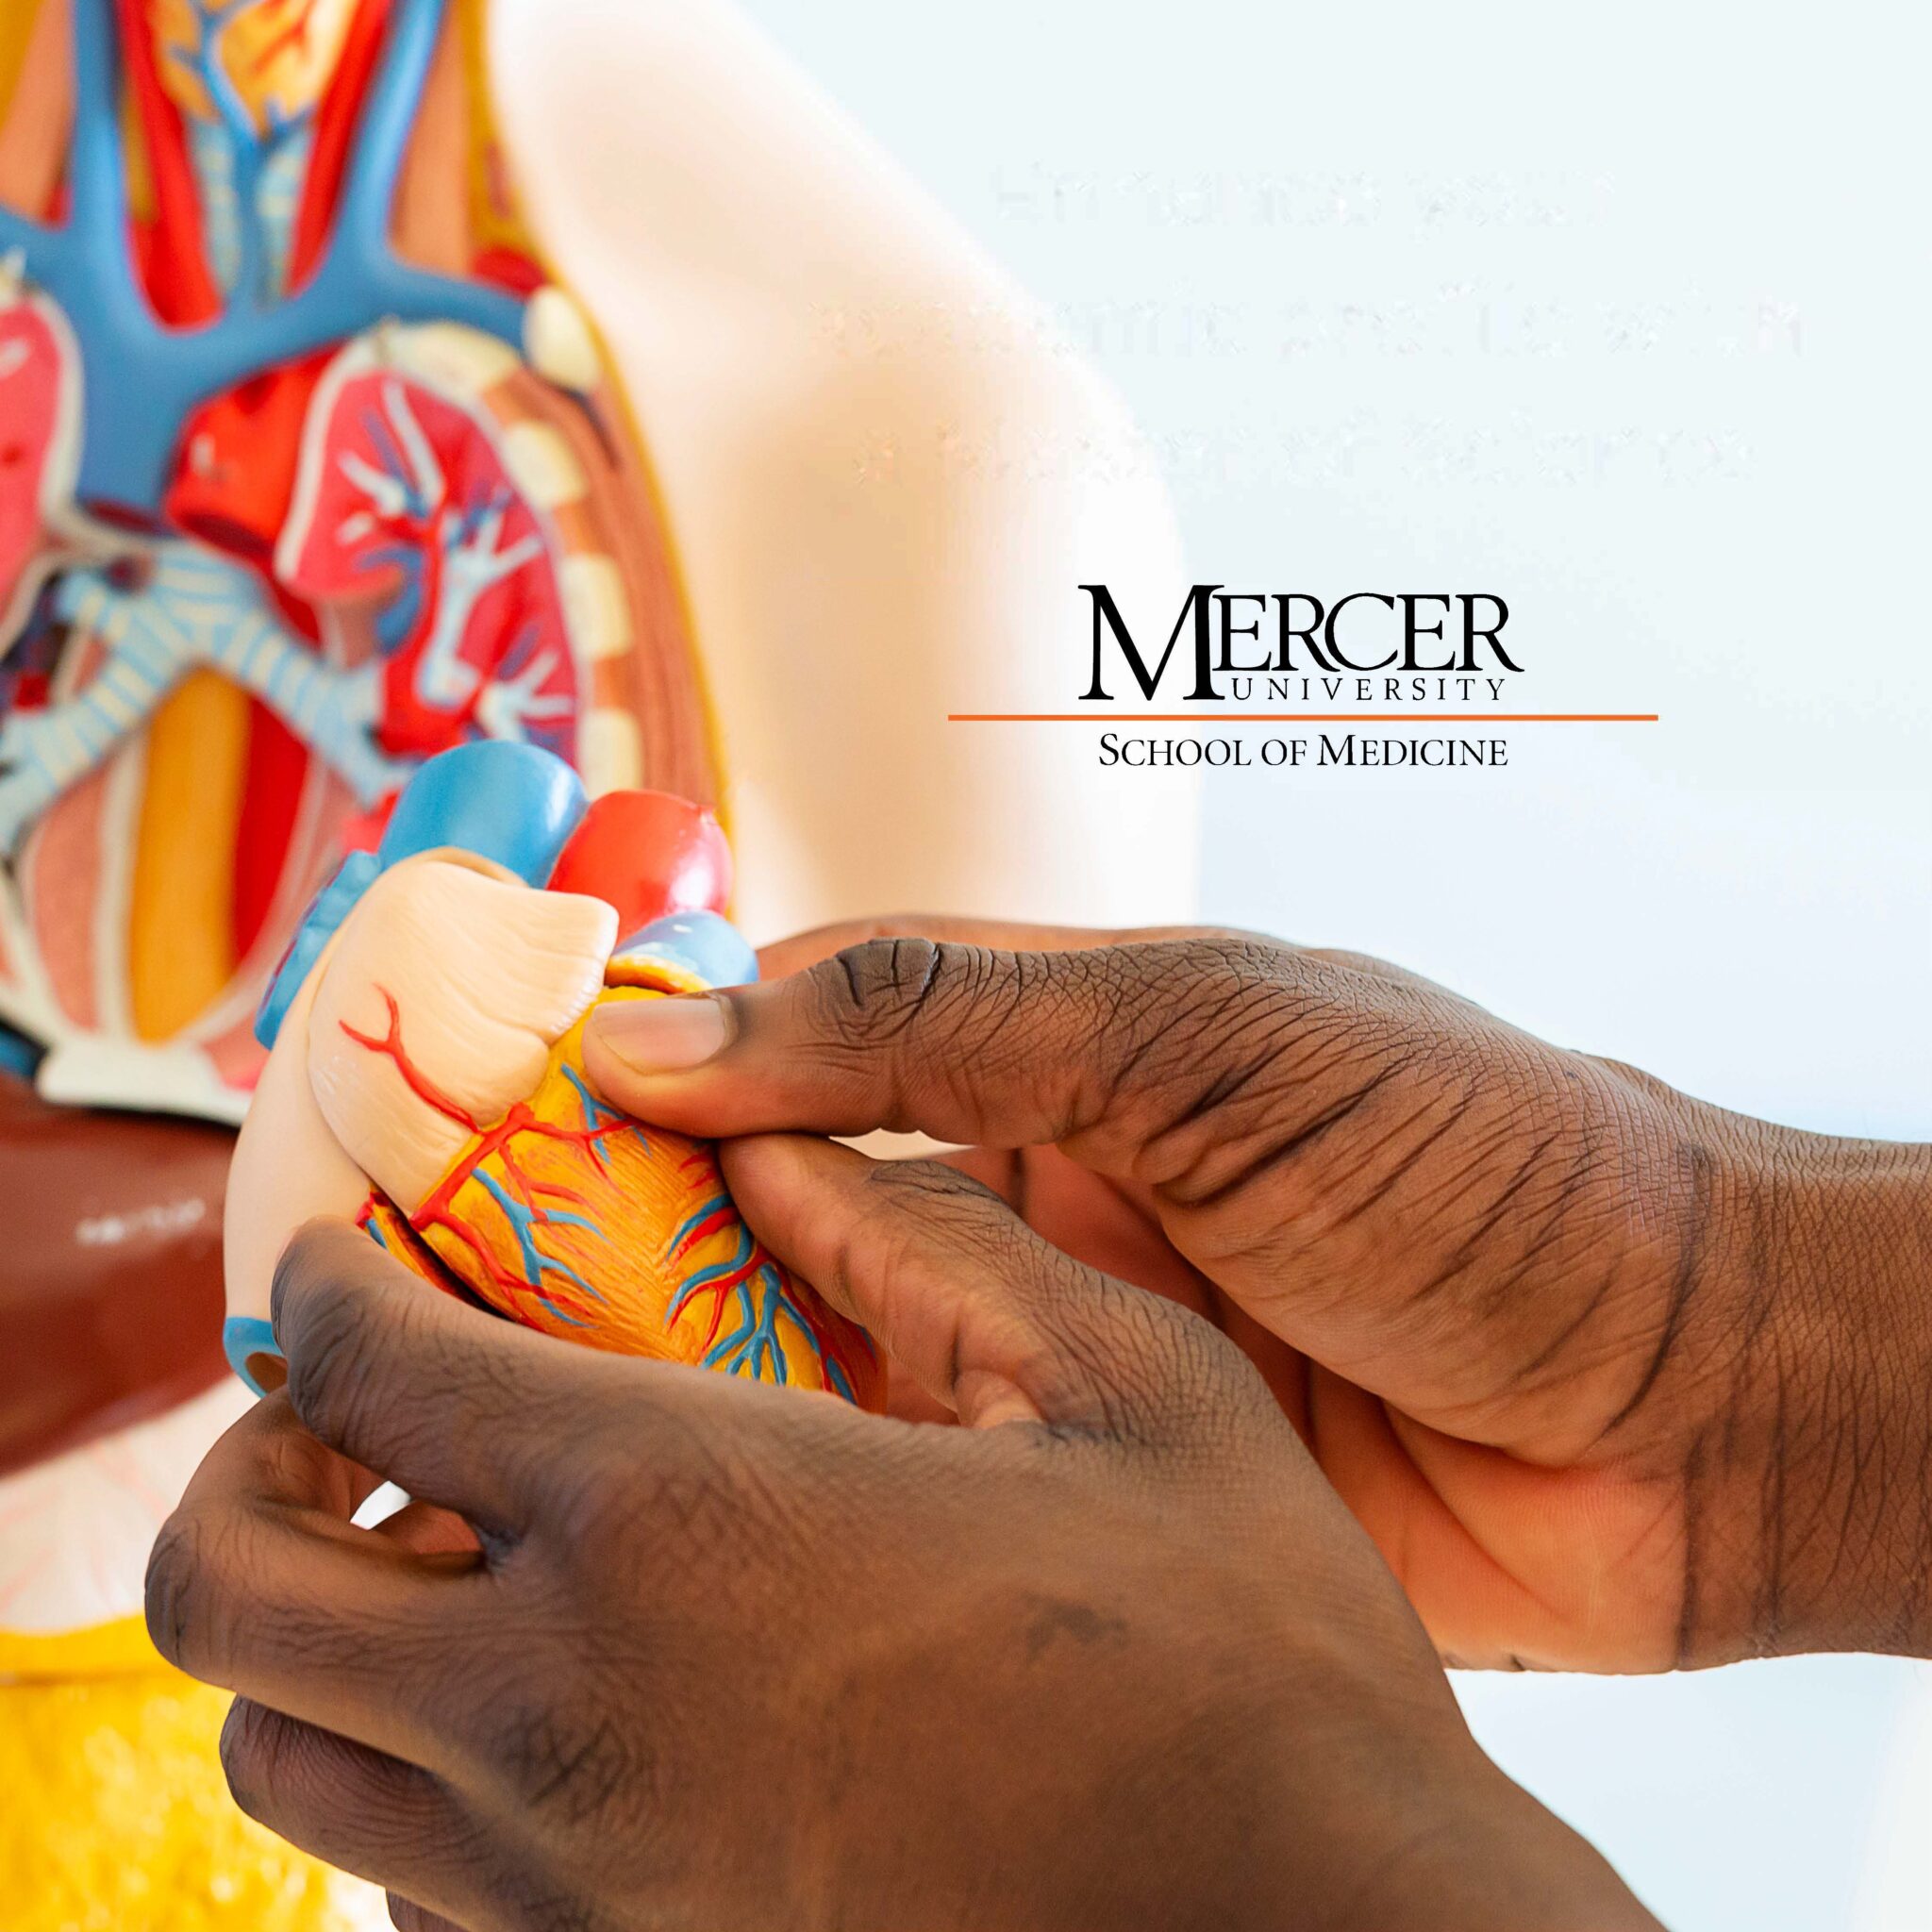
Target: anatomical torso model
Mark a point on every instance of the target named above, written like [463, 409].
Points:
[312, 467]
[289, 506]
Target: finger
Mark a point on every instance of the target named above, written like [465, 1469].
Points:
[459, 1408]
[964, 1044]
[1084, 1215]
[801, 950]
[985, 1316]
[1108, 1227]
[359, 1811]
[1098, 1222]
[468, 1413]
[258, 1583]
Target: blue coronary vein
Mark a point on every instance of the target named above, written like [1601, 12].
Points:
[524, 1222]
[753, 1346]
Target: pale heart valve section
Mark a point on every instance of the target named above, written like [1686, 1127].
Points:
[426, 1078]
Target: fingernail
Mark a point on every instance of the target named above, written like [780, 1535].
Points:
[664, 1036]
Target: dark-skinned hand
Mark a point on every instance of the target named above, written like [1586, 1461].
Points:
[1617, 1380]
[696, 1653]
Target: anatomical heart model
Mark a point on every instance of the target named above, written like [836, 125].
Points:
[427, 1079]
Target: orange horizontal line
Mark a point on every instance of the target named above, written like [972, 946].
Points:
[1301, 717]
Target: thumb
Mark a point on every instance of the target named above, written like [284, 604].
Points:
[968, 1301]
[1098, 1049]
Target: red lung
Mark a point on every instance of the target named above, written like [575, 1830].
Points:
[405, 496]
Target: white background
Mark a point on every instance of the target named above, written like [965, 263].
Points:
[1617, 312]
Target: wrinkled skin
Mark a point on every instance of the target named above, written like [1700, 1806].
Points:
[725, 1654]
[1616, 1379]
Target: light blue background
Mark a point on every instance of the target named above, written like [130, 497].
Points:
[1618, 311]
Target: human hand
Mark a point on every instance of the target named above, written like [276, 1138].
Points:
[724, 1655]
[1616, 1379]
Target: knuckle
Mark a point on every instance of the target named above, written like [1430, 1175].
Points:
[1242, 956]
[330, 1367]
[177, 1593]
[896, 1185]
[1210, 1381]
[872, 990]
[208, 1578]
[649, 1489]
[925, 1211]
[1176, 1004]
[317, 1256]
[1275, 1063]
[1099, 1345]
[1173, 1375]
[1185, 1029]
[1123, 1355]
[573, 1761]
[251, 1753]
[341, 1350]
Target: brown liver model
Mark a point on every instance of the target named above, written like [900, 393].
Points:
[111, 1270]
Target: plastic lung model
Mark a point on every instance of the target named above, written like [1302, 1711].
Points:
[425, 1077]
